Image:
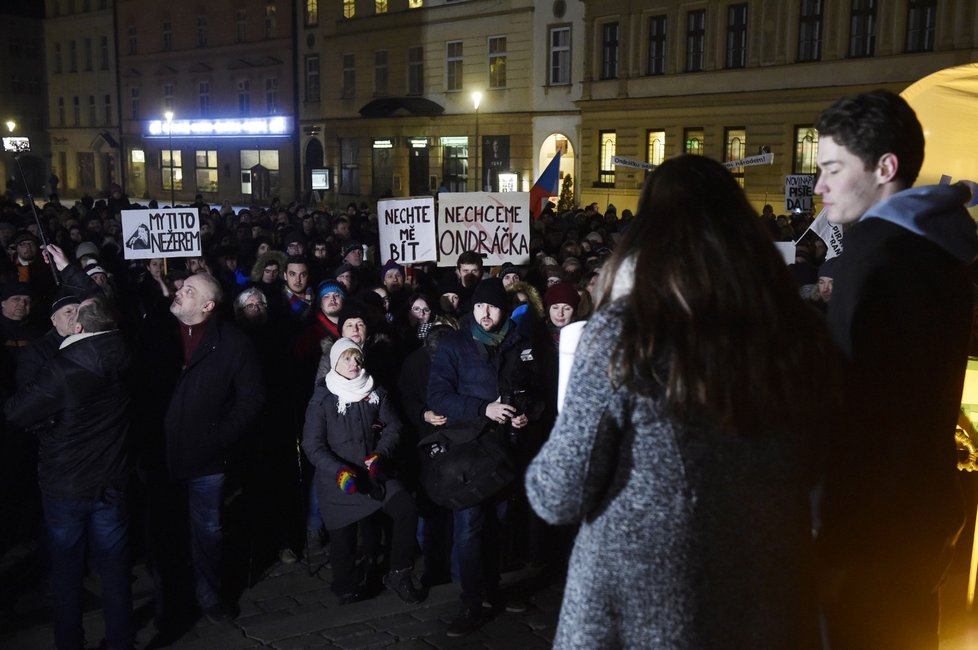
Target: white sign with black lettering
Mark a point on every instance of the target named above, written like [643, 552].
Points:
[407, 230]
[170, 232]
[494, 224]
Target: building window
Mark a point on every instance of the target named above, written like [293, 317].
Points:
[607, 142]
[271, 21]
[72, 56]
[380, 73]
[655, 146]
[168, 97]
[271, 95]
[736, 36]
[695, 39]
[171, 169]
[455, 167]
[312, 77]
[267, 158]
[103, 53]
[133, 40]
[167, 35]
[416, 70]
[349, 75]
[61, 111]
[862, 28]
[349, 166]
[693, 141]
[244, 97]
[205, 162]
[806, 150]
[810, 31]
[497, 61]
[107, 106]
[201, 31]
[75, 111]
[609, 51]
[310, 16]
[349, 8]
[204, 93]
[87, 53]
[415, 4]
[657, 45]
[735, 149]
[921, 17]
[134, 102]
[380, 6]
[92, 111]
[240, 25]
[56, 63]
[560, 56]
[453, 65]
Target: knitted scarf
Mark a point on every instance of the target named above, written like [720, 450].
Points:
[490, 338]
[351, 390]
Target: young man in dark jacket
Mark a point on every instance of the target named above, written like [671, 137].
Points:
[84, 466]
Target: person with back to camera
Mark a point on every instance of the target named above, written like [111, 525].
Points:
[680, 449]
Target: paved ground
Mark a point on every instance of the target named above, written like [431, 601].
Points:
[288, 608]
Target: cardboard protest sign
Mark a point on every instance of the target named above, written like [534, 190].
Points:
[407, 230]
[799, 193]
[169, 232]
[495, 225]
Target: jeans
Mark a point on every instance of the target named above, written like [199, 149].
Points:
[204, 497]
[73, 528]
[475, 540]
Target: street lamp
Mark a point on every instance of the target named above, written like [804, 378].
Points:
[169, 131]
[11, 125]
[476, 100]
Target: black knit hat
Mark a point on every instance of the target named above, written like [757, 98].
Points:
[491, 292]
[64, 300]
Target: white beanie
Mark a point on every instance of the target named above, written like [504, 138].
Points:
[341, 346]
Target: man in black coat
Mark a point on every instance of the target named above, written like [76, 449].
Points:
[218, 394]
[901, 312]
[83, 470]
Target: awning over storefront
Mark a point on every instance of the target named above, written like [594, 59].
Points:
[401, 107]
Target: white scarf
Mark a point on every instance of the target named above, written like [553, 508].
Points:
[351, 390]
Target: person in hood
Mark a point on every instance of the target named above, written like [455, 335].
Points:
[901, 312]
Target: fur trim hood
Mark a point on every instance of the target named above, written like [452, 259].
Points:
[264, 259]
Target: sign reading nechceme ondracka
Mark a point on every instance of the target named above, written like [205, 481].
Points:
[171, 232]
[495, 225]
[407, 230]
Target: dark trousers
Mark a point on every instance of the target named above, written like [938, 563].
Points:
[75, 527]
[476, 539]
[343, 542]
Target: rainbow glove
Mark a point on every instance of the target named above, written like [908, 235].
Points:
[372, 463]
[346, 479]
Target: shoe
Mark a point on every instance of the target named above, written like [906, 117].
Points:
[287, 556]
[466, 622]
[348, 599]
[516, 605]
[401, 582]
[219, 613]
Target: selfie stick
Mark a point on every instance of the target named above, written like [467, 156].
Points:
[37, 220]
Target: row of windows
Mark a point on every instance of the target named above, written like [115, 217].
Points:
[269, 30]
[921, 22]
[17, 48]
[68, 7]
[87, 55]
[496, 70]
[243, 96]
[734, 148]
[206, 174]
[310, 10]
[92, 111]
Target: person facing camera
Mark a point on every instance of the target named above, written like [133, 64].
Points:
[350, 435]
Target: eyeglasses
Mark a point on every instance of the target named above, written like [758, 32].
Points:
[421, 310]
[254, 306]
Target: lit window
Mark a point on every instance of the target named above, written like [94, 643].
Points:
[171, 169]
[206, 170]
[656, 144]
[735, 149]
[608, 141]
[349, 8]
[560, 56]
[806, 150]
[311, 15]
[693, 141]
[380, 6]
[497, 62]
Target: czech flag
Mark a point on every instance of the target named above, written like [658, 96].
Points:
[546, 186]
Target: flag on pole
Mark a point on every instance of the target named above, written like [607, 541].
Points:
[830, 233]
[546, 186]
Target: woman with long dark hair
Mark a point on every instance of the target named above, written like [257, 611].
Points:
[689, 436]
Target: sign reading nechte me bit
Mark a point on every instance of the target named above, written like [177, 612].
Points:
[173, 232]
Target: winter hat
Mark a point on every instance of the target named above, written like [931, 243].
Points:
[391, 264]
[449, 284]
[93, 269]
[491, 292]
[330, 286]
[348, 246]
[294, 237]
[338, 348]
[562, 292]
[829, 268]
[24, 235]
[10, 289]
[509, 267]
[351, 310]
[86, 248]
[63, 301]
[343, 268]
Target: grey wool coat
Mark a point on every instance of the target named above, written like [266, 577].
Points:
[689, 537]
[332, 440]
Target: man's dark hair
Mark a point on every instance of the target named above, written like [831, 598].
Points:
[873, 124]
[469, 257]
[97, 315]
[297, 259]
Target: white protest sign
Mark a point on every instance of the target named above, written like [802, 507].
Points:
[620, 161]
[799, 193]
[407, 230]
[494, 224]
[168, 232]
[751, 161]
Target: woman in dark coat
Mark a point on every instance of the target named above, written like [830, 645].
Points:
[350, 435]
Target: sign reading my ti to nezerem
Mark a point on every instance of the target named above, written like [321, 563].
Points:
[171, 232]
